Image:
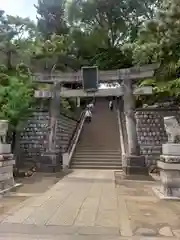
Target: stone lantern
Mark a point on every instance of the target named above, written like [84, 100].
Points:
[169, 162]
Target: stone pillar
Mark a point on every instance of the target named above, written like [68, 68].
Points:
[51, 159]
[6, 160]
[169, 162]
[135, 163]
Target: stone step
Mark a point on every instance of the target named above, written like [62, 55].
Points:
[95, 155]
[98, 151]
[99, 127]
[97, 162]
[99, 141]
[95, 167]
[99, 148]
[95, 158]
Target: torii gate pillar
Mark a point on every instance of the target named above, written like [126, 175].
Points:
[134, 162]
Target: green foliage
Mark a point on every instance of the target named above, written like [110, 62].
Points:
[146, 53]
[113, 17]
[161, 35]
[161, 90]
[70, 34]
[50, 52]
[100, 28]
[16, 98]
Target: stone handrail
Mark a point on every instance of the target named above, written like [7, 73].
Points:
[73, 137]
[73, 141]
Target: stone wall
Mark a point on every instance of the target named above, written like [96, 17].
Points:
[151, 132]
[32, 141]
[33, 138]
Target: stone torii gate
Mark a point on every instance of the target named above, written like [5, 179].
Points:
[133, 162]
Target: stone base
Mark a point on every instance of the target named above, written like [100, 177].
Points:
[160, 195]
[49, 162]
[170, 179]
[135, 165]
[49, 168]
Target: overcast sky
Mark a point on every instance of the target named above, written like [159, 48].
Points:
[23, 8]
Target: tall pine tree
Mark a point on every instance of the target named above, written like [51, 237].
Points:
[51, 17]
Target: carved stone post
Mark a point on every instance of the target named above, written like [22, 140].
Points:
[135, 164]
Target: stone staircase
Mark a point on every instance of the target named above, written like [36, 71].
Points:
[99, 144]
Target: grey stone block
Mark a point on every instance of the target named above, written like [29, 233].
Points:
[7, 169]
[5, 176]
[170, 159]
[7, 163]
[171, 149]
[5, 148]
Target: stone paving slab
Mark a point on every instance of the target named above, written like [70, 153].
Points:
[57, 230]
[71, 237]
[88, 202]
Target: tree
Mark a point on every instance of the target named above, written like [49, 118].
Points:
[47, 53]
[142, 10]
[12, 33]
[115, 18]
[16, 97]
[51, 17]
[100, 28]
[159, 38]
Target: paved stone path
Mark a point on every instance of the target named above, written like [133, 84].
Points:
[87, 204]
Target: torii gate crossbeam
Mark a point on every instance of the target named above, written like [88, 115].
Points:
[103, 76]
